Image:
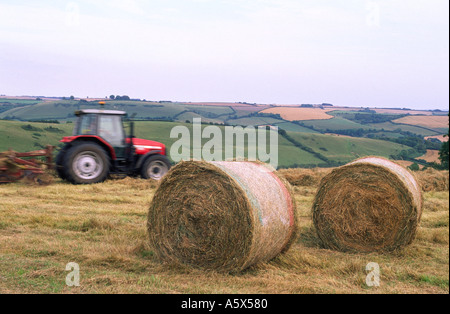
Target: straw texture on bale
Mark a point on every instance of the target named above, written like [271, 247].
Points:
[369, 205]
[224, 216]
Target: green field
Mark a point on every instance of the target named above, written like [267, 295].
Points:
[292, 127]
[190, 116]
[255, 121]
[389, 126]
[26, 136]
[160, 131]
[64, 109]
[306, 146]
[334, 124]
[346, 149]
[5, 101]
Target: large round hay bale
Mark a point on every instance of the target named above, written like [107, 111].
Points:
[433, 180]
[222, 216]
[369, 205]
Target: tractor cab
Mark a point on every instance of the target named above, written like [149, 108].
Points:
[99, 146]
[106, 124]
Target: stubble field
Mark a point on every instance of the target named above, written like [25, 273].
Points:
[102, 227]
[425, 121]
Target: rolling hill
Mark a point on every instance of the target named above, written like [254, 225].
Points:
[346, 149]
[26, 136]
[308, 138]
[319, 119]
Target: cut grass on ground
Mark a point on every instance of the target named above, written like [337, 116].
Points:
[102, 227]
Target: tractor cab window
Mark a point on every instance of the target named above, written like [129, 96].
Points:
[86, 125]
[110, 128]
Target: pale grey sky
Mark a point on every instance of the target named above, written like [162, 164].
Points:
[384, 53]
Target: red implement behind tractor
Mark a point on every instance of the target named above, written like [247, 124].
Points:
[16, 166]
[99, 147]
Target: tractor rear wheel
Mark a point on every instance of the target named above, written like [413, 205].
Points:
[86, 163]
[155, 167]
[59, 163]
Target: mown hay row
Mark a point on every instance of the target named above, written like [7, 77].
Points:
[304, 177]
[369, 205]
[224, 216]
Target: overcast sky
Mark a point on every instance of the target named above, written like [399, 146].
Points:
[383, 53]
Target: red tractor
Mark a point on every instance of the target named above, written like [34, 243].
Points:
[99, 147]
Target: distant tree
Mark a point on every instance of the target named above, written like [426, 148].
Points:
[414, 167]
[112, 97]
[443, 154]
[72, 98]
[124, 97]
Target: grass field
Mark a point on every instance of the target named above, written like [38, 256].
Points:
[64, 109]
[44, 110]
[102, 228]
[389, 126]
[160, 131]
[292, 127]
[27, 136]
[19, 101]
[189, 116]
[16, 135]
[255, 121]
[404, 111]
[13, 135]
[335, 124]
[330, 119]
[346, 149]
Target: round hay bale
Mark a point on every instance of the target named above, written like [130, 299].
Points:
[433, 180]
[369, 205]
[224, 216]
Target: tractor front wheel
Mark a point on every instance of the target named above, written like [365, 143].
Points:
[86, 164]
[155, 167]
